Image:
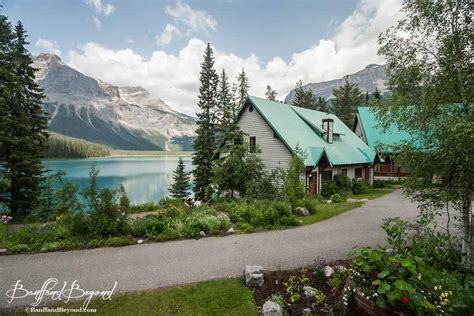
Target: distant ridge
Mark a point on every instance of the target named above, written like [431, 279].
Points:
[367, 79]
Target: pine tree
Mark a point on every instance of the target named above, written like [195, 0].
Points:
[321, 104]
[376, 94]
[180, 187]
[24, 133]
[304, 98]
[367, 98]
[243, 87]
[205, 142]
[345, 102]
[271, 94]
[224, 111]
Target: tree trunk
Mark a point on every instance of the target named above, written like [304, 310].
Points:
[467, 228]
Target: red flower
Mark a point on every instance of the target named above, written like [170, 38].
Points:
[404, 299]
[375, 274]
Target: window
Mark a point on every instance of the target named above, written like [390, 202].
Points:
[326, 176]
[344, 172]
[358, 173]
[253, 144]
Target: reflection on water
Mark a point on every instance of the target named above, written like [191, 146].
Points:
[144, 179]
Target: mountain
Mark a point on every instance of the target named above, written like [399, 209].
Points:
[120, 117]
[367, 79]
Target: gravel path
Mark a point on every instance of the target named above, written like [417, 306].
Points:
[156, 265]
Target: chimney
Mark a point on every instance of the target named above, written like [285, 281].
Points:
[328, 126]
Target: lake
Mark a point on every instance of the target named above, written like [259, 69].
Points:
[146, 179]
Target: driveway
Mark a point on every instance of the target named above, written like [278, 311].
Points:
[154, 265]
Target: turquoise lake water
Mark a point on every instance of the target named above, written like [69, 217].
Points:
[146, 179]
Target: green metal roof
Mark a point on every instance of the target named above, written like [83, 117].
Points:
[298, 126]
[375, 135]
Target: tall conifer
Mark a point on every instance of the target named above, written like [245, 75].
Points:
[204, 143]
[243, 87]
[180, 187]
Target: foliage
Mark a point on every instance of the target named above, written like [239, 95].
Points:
[319, 297]
[295, 285]
[359, 187]
[23, 123]
[265, 186]
[328, 189]
[336, 198]
[343, 183]
[67, 147]
[224, 114]
[124, 201]
[322, 105]
[304, 98]
[429, 56]
[346, 99]
[205, 141]
[181, 182]
[237, 169]
[243, 87]
[292, 185]
[277, 298]
[271, 94]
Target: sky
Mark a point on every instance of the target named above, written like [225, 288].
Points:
[158, 44]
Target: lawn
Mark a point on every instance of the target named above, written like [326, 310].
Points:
[372, 194]
[217, 297]
[326, 211]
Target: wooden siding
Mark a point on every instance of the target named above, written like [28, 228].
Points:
[272, 150]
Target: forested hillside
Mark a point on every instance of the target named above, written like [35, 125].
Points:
[59, 146]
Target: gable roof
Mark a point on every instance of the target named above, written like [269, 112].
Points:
[375, 135]
[297, 126]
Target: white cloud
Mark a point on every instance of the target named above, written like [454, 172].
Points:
[167, 35]
[97, 22]
[104, 8]
[175, 78]
[194, 20]
[130, 41]
[48, 46]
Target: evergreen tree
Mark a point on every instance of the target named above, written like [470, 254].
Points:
[367, 98]
[180, 187]
[243, 87]
[271, 94]
[321, 104]
[345, 102]
[225, 109]
[376, 95]
[304, 98]
[23, 125]
[205, 142]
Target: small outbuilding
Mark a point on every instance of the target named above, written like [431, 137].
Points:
[331, 147]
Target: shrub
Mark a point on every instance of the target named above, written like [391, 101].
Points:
[148, 226]
[328, 189]
[118, 241]
[343, 183]
[336, 198]
[359, 187]
[311, 203]
[147, 207]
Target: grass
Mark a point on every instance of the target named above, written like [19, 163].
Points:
[325, 211]
[216, 297]
[372, 194]
[148, 153]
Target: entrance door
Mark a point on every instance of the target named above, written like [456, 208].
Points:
[313, 183]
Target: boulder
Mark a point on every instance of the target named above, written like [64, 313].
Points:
[202, 234]
[303, 211]
[271, 309]
[363, 200]
[328, 201]
[309, 291]
[140, 241]
[351, 200]
[253, 276]
[3, 250]
[307, 311]
[230, 231]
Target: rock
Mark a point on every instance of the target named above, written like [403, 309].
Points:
[3, 250]
[271, 309]
[328, 271]
[309, 291]
[230, 231]
[351, 200]
[140, 241]
[303, 211]
[307, 311]
[202, 234]
[328, 201]
[363, 200]
[253, 276]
